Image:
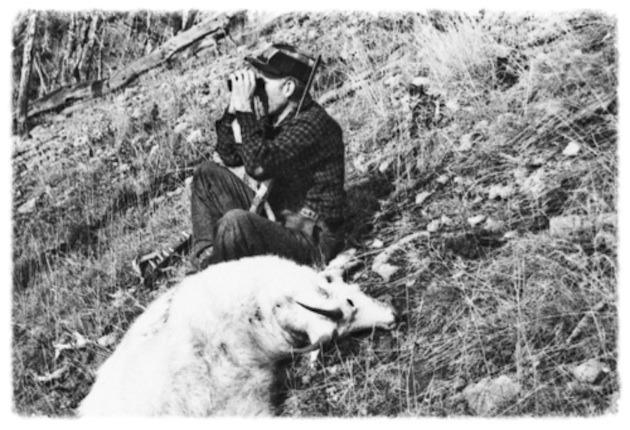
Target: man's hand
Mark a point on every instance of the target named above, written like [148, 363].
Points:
[243, 86]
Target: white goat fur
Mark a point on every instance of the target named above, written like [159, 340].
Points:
[212, 344]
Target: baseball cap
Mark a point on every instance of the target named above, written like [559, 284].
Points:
[281, 60]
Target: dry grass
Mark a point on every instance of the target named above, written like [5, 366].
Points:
[476, 305]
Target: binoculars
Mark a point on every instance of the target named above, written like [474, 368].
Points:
[260, 85]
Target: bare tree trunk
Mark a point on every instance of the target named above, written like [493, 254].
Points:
[88, 48]
[99, 64]
[65, 63]
[82, 29]
[27, 54]
[148, 47]
[37, 64]
[188, 18]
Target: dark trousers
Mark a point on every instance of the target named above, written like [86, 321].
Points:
[220, 218]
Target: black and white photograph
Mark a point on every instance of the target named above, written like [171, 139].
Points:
[307, 213]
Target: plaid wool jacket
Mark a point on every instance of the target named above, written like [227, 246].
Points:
[304, 156]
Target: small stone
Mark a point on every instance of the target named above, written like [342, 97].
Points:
[421, 197]
[433, 226]
[488, 395]
[510, 235]
[420, 81]
[493, 225]
[476, 220]
[180, 128]
[442, 179]
[590, 371]
[500, 192]
[465, 143]
[571, 149]
[481, 125]
[384, 165]
[534, 184]
[452, 105]
[444, 220]
[28, 206]
[376, 244]
[195, 136]
[107, 340]
[565, 225]
[385, 270]
[360, 164]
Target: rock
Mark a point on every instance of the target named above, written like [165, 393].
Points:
[433, 226]
[590, 371]
[137, 113]
[180, 128]
[481, 126]
[107, 340]
[385, 270]
[562, 226]
[28, 206]
[420, 81]
[465, 142]
[452, 105]
[385, 165]
[510, 235]
[421, 197]
[444, 220]
[534, 184]
[476, 220]
[493, 225]
[195, 136]
[360, 163]
[442, 179]
[376, 244]
[571, 149]
[488, 395]
[500, 191]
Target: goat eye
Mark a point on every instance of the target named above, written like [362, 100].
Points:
[350, 302]
[329, 279]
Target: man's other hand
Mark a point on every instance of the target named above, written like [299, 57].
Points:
[243, 86]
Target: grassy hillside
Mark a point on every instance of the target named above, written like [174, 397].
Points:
[493, 137]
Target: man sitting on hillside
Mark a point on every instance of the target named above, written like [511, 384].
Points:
[302, 152]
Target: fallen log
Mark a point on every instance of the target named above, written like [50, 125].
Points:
[65, 96]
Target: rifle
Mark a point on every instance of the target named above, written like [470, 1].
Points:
[265, 187]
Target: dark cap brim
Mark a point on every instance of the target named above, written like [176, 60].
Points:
[264, 68]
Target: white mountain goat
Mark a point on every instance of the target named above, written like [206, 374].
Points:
[214, 344]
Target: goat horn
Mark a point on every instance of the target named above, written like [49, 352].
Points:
[334, 315]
